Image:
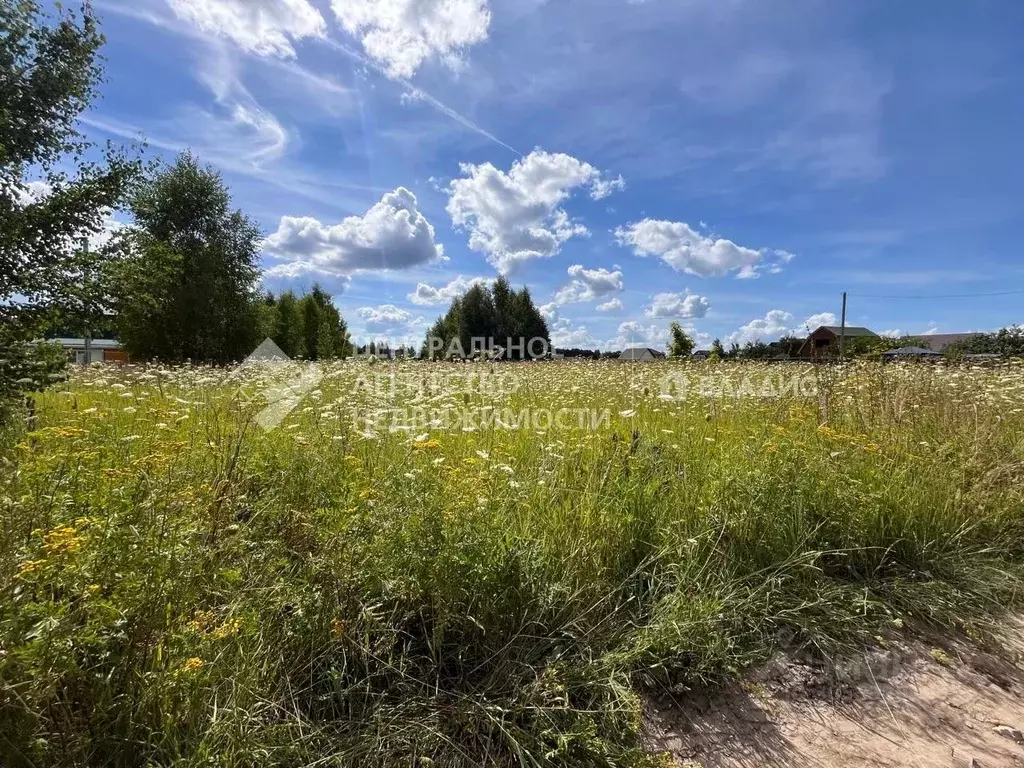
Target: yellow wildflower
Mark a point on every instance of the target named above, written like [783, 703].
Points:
[228, 628]
[192, 665]
[29, 567]
[426, 445]
[337, 629]
[201, 622]
[61, 540]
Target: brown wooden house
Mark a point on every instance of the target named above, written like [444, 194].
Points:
[824, 342]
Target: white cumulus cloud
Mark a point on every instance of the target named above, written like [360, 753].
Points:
[774, 324]
[687, 250]
[263, 27]
[589, 284]
[402, 34]
[392, 235]
[517, 216]
[427, 295]
[385, 318]
[813, 322]
[777, 323]
[683, 305]
[565, 335]
[612, 305]
[601, 188]
[635, 334]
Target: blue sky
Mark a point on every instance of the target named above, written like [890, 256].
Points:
[730, 164]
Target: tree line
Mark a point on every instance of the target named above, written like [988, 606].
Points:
[482, 315]
[308, 327]
[180, 282]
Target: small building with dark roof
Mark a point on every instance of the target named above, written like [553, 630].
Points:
[910, 353]
[641, 354]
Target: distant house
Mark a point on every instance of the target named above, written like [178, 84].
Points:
[937, 342]
[910, 353]
[101, 351]
[824, 342]
[702, 354]
[641, 354]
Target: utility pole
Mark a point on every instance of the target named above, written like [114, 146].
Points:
[842, 331]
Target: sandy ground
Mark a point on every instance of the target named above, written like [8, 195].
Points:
[903, 707]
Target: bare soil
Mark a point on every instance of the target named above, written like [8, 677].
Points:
[906, 706]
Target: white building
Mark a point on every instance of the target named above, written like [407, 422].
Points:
[101, 351]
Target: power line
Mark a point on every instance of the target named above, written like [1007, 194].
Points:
[947, 296]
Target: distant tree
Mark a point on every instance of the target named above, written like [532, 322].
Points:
[186, 283]
[680, 344]
[325, 343]
[477, 318]
[866, 346]
[1006, 341]
[324, 333]
[55, 188]
[500, 314]
[717, 350]
[529, 324]
[752, 350]
[504, 310]
[790, 345]
[310, 309]
[288, 332]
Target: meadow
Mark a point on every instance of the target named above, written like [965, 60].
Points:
[430, 564]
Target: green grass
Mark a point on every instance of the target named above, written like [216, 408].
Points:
[180, 587]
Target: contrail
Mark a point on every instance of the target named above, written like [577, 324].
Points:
[413, 91]
[416, 92]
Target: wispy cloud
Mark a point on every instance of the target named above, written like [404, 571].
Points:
[153, 15]
[286, 179]
[415, 93]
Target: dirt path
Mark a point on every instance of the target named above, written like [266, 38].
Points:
[912, 707]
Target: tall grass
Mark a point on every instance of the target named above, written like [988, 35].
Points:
[180, 587]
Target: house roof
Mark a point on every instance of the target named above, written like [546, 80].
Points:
[911, 352]
[96, 343]
[636, 353]
[939, 341]
[850, 330]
